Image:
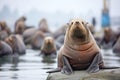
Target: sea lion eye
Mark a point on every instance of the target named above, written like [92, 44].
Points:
[83, 23]
[71, 23]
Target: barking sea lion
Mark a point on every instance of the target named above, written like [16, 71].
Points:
[79, 51]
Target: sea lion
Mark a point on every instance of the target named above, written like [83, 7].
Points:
[4, 30]
[79, 51]
[21, 19]
[116, 47]
[4, 27]
[37, 40]
[48, 47]
[17, 44]
[3, 35]
[28, 34]
[59, 36]
[31, 33]
[20, 25]
[43, 26]
[5, 49]
[59, 41]
[92, 30]
[61, 31]
[109, 38]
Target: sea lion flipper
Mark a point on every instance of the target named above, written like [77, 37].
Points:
[67, 69]
[94, 67]
[54, 70]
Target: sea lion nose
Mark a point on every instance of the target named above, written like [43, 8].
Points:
[77, 22]
[48, 41]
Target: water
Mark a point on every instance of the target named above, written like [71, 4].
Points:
[32, 67]
[110, 58]
[27, 67]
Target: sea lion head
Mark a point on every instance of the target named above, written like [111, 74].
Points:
[48, 45]
[23, 18]
[49, 40]
[43, 26]
[77, 31]
[3, 25]
[20, 27]
[107, 33]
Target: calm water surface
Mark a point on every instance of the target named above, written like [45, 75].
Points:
[32, 67]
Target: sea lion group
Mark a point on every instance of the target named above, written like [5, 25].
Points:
[78, 46]
[23, 35]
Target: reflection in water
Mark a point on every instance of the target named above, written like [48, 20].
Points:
[15, 76]
[33, 67]
[48, 60]
[110, 58]
[26, 67]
